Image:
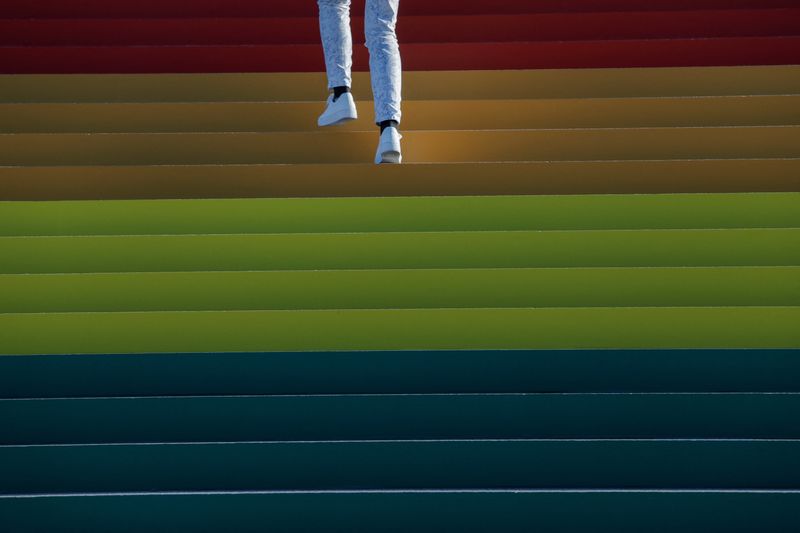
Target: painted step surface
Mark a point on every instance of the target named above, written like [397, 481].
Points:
[437, 416]
[419, 146]
[364, 180]
[400, 214]
[250, 8]
[412, 29]
[423, 115]
[382, 465]
[396, 289]
[780, 50]
[472, 511]
[400, 250]
[401, 329]
[446, 85]
[400, 372]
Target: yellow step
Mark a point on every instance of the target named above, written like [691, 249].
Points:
[366, 179]
[447, 85]
[419, 146]
[421, 114]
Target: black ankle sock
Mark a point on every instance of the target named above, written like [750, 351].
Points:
[339, 91]
[386, 123]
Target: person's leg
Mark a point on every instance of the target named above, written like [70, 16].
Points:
[385, 66]
[337, 41]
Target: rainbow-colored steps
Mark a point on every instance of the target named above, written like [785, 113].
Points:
[574, 309]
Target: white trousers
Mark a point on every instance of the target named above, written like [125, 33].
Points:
[380, 19]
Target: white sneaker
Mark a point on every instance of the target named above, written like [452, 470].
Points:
[338, 112]
[389, 147]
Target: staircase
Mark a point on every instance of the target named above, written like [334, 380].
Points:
[576, 308]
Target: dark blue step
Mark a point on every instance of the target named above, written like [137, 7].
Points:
[369, 372]
[413, 511]
[390, 417]
[363, 465]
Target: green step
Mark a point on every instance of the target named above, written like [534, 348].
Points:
[450, 213]
[487, 249]
[404, 416]
[474, 511]
[399, 372]
[384, 289]
[420, 464]
[401, 329]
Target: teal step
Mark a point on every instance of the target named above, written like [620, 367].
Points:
[399, 372]
[420, 464]
[476, 511]
[482, 249]
[390, 417]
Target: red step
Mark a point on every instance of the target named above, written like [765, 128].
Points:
[413, 29]
[443, 56]
[294, 8]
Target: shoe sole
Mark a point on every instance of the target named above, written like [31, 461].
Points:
[391, 157]
[337, 121]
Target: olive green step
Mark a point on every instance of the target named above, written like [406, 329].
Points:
[392, 289]
[401, 250]
[401, 329]
[445, 213]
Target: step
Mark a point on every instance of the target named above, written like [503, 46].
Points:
[400, 250]
[679, 52]
[418, 146]
[412, 29]
[422, 114]
[364, 465]
[401, 329]
[400, 372]
[258, 8]
[570, 511]
[400, 214]
[366, 179]
[401, 289]
[436, 416]
[430, 85]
